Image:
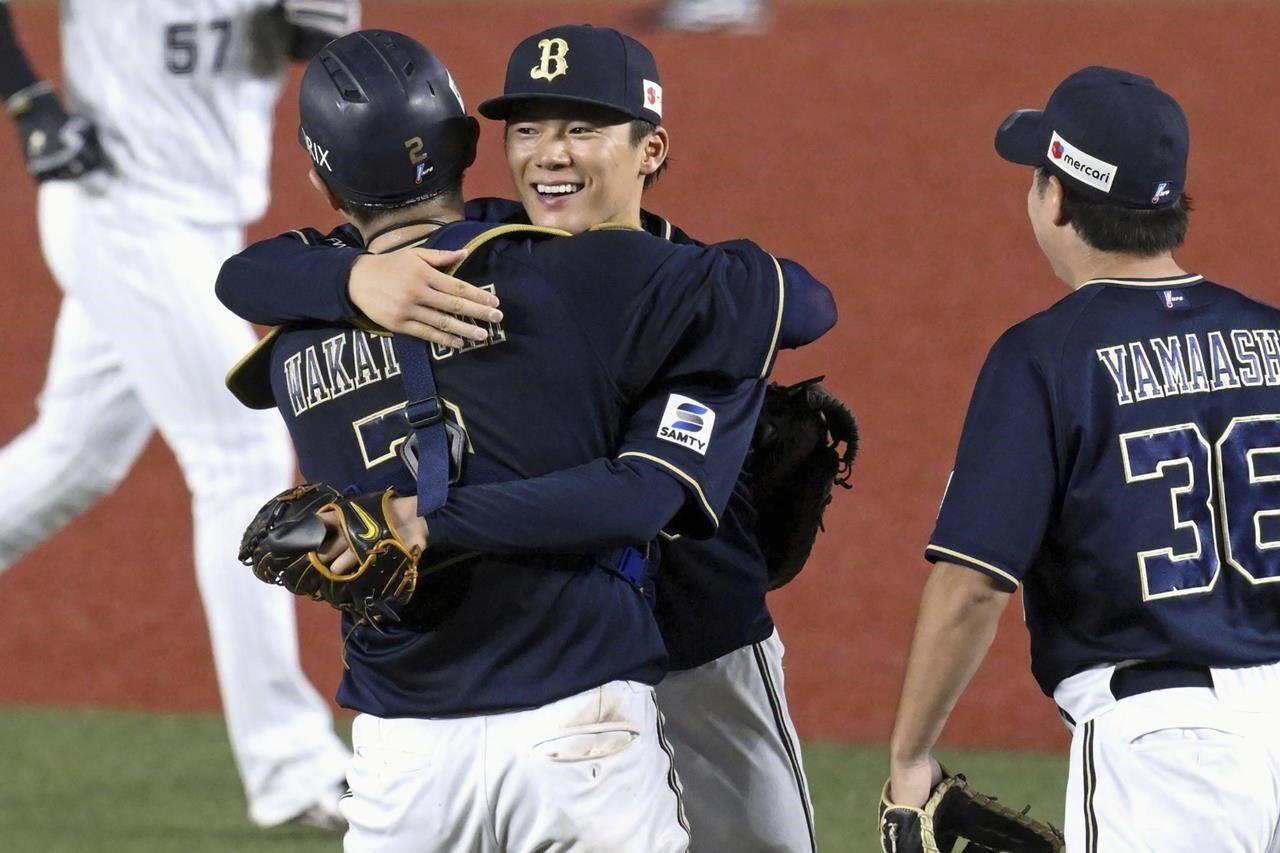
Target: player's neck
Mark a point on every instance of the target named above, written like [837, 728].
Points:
[408, 226]
[400, 235]
[1095, 265]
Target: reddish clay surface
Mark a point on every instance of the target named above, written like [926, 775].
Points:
[854, 137]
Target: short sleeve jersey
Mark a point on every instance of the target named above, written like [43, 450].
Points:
[1120, 461]
[559, 383]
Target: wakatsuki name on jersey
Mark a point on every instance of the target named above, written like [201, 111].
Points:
[1194, 363]
[338, 366]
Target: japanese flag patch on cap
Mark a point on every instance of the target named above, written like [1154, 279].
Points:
[688, 423]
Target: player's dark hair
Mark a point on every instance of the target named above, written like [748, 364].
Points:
[368, 216]
[640, 130]
[1113, 228]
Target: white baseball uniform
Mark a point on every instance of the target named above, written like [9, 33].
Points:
[182, 92]
[590, 773]
[738, 754]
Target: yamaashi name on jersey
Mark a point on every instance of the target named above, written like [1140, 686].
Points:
[1194, 363]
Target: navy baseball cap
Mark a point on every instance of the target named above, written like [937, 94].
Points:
[1111, 134]
[582, 64]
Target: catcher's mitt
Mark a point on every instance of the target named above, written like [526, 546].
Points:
[956, 811]
[796, 459]
[282, 541]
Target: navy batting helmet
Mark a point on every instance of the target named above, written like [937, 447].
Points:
[383, 120]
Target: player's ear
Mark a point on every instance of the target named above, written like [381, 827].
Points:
[655, 148]
[473, 127]
[323, 189]
[1053, 198]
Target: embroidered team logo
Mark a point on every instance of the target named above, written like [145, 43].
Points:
[1085, 168]
[688, 423]
[653, 97]
[554, 62]
[1162, 192]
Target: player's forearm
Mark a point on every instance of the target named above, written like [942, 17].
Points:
[282, 280]
[603, 504]
[959, 612]
[15, 71]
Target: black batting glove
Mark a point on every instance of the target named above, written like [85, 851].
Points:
[315, 23]
[56, 146]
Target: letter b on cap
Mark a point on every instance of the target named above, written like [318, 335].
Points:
[554, 62]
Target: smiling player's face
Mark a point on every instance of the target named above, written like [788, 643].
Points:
[575, 166]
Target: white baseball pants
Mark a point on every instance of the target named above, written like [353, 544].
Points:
[141, 342]
[1179, 770]
[590, 773]
[738, 754]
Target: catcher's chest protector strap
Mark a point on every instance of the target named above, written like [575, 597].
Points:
[424, 409]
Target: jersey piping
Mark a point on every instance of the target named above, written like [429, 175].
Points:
[1158, 283]
[974, 562]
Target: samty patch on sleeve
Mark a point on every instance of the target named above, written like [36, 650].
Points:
[687, 422]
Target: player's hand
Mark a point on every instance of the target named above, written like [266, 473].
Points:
[315, 23]
[403, 292]
[911, 782]
[56, 146]
[401, 512]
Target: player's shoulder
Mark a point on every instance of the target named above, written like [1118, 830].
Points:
[1044, 332]
[632, 257]
[1238, 300]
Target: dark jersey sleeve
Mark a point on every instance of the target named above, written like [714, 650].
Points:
[809, 309]
[712, 311]
[15, 70]
[606, 503]
[300, 275]
[698, 434]
[1002, 490]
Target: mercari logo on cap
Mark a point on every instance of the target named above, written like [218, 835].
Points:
[652, 96]
[1085, 168]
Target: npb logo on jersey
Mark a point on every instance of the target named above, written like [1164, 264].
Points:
[1085, 168]
[688, 423]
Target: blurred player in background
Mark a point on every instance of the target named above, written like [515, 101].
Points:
[148, 176]
[703, 16]
[1118, 463]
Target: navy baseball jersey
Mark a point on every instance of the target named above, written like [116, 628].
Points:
[710, 593]
[1120, 461]
[710, 596]
[568, 377]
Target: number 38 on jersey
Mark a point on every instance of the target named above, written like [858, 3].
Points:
[1224, 503]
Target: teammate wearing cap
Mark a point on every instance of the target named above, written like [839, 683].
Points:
[540, 662]
[1118, 463]
[573, 96]
[148, 175]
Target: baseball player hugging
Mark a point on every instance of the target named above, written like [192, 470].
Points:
[526, 629]
[575, 98]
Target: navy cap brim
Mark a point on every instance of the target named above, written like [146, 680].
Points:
[499, 108]
[1021, 138]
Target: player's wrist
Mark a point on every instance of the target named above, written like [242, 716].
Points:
[402, 514]
[40, 96]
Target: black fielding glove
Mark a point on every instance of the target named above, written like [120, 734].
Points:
[55, 145]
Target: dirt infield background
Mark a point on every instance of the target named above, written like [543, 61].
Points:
[856, 138]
